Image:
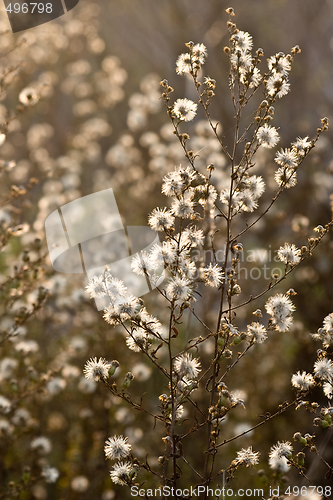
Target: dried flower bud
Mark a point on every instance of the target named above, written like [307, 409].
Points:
[128, 379]
[295, 50]
[230, 11]
[114, 366]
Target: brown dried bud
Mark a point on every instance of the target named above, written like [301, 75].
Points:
[295, 50]
[230, 11]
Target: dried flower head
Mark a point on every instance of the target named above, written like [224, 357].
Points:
[116, 447]
[185, 109]
[96, 370]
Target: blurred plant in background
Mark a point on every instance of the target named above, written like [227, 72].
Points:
[99, 123]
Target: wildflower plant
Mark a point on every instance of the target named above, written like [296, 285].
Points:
[196, 362]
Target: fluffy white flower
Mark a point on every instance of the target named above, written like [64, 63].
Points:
[50, 474]
[279, 464]
[277, 86]
[268, 136]
[175, 183]
[161, 219]
[328, 324]
[121, 473]
[255, 185]
[247, 457]
[286, 177]
[179, 288]
[186, 366]
[323, 368]
[301, 146]
[280, 308]
[139, 341]
[140, 264]
[41, 444]
[96, 370]
[242, 40]
[302, 381]
[192, 237]
[128, 307]
[7, 367]
[281, 449]
[115, 288]
[242, 62]
[182, 208]
[213, 275]
[328, 390]
[257, 332]
[199, 51]
[183, 64]
[116, 447]
[289, 254]
[185, 109]
[286, 158]
[247, 201]
[279, 64]
[96, 287]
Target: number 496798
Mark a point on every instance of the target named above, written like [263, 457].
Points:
[26, 8]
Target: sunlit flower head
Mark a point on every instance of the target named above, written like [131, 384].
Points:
[139, 340]
[96, 287]
[301, 146]
[286, 158]
[256, 185]
[280, 308]
[328, 324]
[120, 473]
[96, 370]
[161, 219]
[185, 109]
[289, 254]
[116, 447]
[285, 177]
[277, 86]
[279, 464]
[213, 275]
[257, 332]
[186, 366]
[302, 381]
[247, 457]
[182, 208]
[281, 449]
[183, 63]
[323, 368]
[179, 288]
[242, 40]
[279, 64]
[268, 136]
[328, 390]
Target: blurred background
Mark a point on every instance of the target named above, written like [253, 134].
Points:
[100, 123]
